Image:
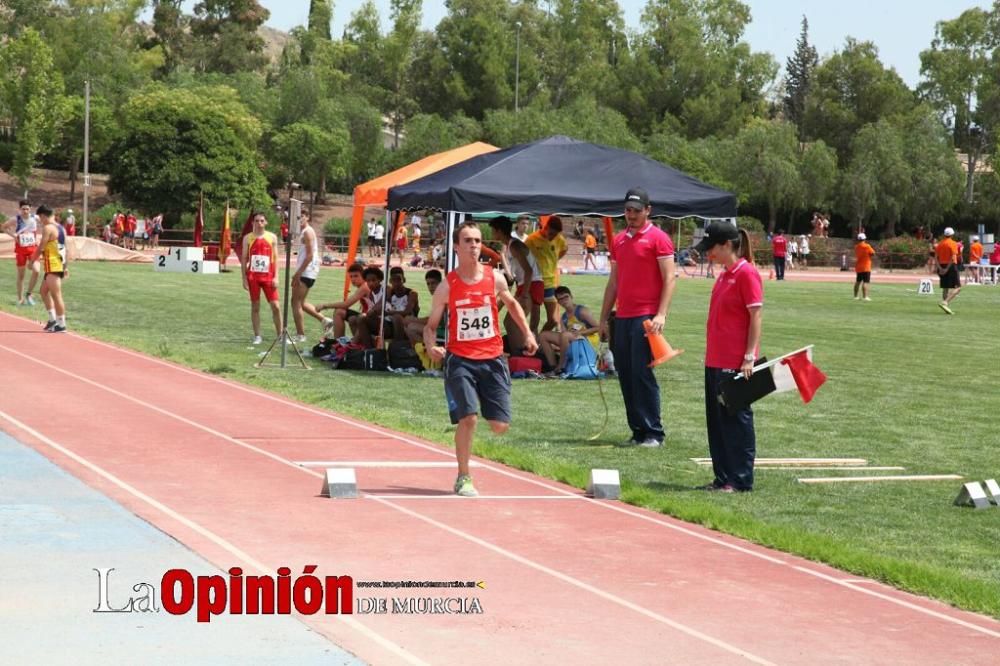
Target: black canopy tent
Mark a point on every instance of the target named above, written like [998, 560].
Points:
[561, 175]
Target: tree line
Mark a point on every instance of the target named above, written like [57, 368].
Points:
[193, 102]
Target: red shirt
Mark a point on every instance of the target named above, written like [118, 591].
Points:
[263, 256]
[130, 224]
[473, 320]
[736, 290]
[640, 283]
[779, 245]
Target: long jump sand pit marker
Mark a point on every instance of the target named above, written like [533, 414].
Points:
[992, 490]
[972, 494]
[872, 479]
[340, 483]
[604, 484]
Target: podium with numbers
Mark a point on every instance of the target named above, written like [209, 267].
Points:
[185, 260]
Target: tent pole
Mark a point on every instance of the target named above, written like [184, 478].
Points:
[449, 245]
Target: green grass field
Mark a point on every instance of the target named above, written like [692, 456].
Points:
[907, 386]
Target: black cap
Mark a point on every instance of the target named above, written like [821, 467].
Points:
[636, 198]
[717, 232]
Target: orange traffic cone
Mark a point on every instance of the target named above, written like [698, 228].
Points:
[659, 347]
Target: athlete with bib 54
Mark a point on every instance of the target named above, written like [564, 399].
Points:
[474, 370]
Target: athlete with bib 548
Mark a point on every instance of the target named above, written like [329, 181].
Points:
[474, 370]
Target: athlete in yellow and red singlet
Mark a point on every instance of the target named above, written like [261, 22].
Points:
[260, 273]
[474, 368]
[51, 249]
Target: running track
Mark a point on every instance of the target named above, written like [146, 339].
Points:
[212, 463]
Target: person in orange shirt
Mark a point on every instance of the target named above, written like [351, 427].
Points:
[975, 259]
[947, 257]
[863, 254]
[590, 247]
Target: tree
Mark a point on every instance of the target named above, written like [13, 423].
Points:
[818, 177]
[959, 75]
[584, 119]
[878, 176]
[226, 36]
[428, 134]
[31, 90]
[177, 143]
[764, 163]
[320, 17]
[849, 90]
[799, 69]
[398, 58]
[690, 69]
[102, 131]
[170, 33]
[936, 179]
[694, 158]
[310, 153]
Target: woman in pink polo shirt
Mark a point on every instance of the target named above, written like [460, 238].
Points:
[733, 336]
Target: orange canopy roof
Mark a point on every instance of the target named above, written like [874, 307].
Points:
[376, 192]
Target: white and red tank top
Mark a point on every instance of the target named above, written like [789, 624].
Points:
[473, 319]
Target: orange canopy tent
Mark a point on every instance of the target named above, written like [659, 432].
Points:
[376, 192]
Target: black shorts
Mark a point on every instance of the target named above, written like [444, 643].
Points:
[371, 240]
[950, 279]
[865, 277]
[308, 282]
[58, 274]
[591, 250]
[469, 384]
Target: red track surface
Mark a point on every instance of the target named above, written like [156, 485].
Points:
[568, 579]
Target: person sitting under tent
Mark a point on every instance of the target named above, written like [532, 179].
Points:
[342, 312]
[402, 303]
[414, 325]
[577, 323]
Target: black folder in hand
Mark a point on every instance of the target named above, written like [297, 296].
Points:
[737, 392]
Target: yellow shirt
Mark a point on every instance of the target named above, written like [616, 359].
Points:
[547, 253]
[53, 253]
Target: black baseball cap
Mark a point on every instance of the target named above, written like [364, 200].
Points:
[636, 198]
[717, 232]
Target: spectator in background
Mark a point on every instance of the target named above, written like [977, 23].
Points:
[975, 260]
[157, 230]
[130, 225]
[548, 246]
[863, 253]
[793, 252]
[779, 248]
[521, 228]
[995, 255]
[577, 322]
[69, 224]
[590, 250]
[371, 237]
[379, 237]
[946, 254]
[803, 252]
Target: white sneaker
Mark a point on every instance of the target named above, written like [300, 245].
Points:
[299, 339]
[257, 340]
[30, 300]
[866, 298]
[857, 298]
[327, 323]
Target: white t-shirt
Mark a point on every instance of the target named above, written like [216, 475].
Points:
[804, 246]
[371, 229]
[379, 231]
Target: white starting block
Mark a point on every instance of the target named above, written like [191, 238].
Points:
[185, 260]
[340, 483]
[604, 484]
[972, 494]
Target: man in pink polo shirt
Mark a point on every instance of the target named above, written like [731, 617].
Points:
[641, 284]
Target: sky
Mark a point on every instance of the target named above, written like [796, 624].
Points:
[900, 28]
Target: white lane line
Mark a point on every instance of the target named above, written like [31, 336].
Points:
[609, 506]
[473, 539]
[907, 604]
[416, 464]
[694, 633]
[473, 499]
[245, 558]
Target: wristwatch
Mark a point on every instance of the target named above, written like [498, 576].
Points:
[749, 357]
